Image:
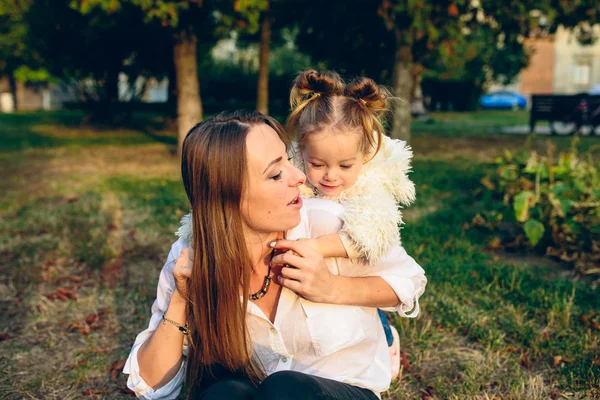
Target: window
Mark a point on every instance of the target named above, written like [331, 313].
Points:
[581, 74]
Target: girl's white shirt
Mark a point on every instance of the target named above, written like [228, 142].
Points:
[344, 343]
[371, 216]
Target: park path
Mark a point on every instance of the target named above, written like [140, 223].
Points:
[524, 130]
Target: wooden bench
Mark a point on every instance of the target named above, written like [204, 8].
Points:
[562, 108]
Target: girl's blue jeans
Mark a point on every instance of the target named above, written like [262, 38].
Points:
[386, 327]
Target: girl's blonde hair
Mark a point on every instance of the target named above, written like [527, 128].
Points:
[321, 100]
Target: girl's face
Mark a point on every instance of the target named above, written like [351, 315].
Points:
[271, 200]
[333, 160]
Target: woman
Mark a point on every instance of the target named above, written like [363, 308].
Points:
[284, 343]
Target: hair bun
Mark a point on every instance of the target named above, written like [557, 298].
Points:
[367, 91]
[326, 82]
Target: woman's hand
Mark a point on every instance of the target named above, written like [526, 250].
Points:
[182, 272]
[305, 272]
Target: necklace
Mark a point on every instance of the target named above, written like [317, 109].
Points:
[266, 283]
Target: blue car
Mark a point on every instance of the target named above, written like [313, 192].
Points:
[503, 100]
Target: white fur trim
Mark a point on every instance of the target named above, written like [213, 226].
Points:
[186, 231]
[371, 215]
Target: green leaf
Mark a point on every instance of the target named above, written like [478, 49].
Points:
[521, 205]
[508, 172]
[565, 205]
[559, 188]
[534, 230]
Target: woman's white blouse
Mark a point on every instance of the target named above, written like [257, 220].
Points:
[344, 343]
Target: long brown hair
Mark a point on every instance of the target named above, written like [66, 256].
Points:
[322, 100]
[214, 173]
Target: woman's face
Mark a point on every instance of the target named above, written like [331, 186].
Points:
[271, 200]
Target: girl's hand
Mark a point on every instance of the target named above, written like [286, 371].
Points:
[305, 272]
[182, 272]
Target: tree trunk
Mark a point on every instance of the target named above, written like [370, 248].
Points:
[189, 105]
[262, 90]
[402, 86]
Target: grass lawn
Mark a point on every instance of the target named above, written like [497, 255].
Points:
[87, 218]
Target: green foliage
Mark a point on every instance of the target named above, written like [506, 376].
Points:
[166, 11]
[17, 58]
[554, 199]
[26, 74]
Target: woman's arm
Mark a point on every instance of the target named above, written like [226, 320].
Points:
[306, 273]
[155, 365]
[160, 357]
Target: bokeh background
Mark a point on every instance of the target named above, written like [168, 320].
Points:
[95, 96]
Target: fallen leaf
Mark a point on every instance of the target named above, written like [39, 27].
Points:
[67, 293]
[85, 330]
[80, 363]
[114, 375]
[61, 297]
[117, 365]
[595, 324]
[556, 360]
[91, 392]
[96, 326]
[73, 326]
[427, 393]
[404, 362]
[525, 361]
[90, 319]
[5, 336]
[72, 199]
[103, 311]
[73, 278]
[115, 368]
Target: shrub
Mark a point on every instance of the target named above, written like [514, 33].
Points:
[550, 203]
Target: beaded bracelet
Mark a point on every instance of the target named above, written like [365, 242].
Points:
[184, 329]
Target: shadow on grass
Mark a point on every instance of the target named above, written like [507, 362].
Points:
[21, 131]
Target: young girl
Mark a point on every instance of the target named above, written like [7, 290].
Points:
[347, 158]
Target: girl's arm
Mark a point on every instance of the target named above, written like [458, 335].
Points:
[396, 283]
[305, 272]
[327, 245]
